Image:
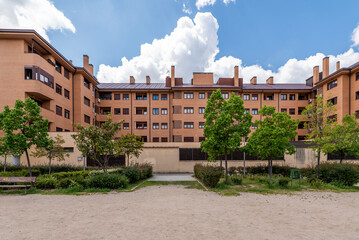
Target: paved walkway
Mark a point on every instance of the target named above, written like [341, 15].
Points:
[171, 177]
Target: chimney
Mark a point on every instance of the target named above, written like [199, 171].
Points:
[325, 67]
[148, 80]
[315, 75]
[91, 69]
[236, 80]
[132, 80]
[254, 80]
[70, 61]
[338, 66]
[269, 81]
[86, 61]
[173, 76]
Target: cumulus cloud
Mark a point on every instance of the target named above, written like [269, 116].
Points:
[355, 36]
[228, 1]
[192, 47]
[40, 15]
[203, 3]
[186, 9]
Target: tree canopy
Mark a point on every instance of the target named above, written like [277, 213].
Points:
[131, 145]
[24, 127]
[226, 123]
[271, 140]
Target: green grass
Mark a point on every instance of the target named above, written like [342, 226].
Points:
[188, 184]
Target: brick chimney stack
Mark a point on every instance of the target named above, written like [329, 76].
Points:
[254, 80]
[148, 80]
[173, 83]
[338, 66]
[269, 81]
[325, 67]
[236, 80]
[315, 75]
[132, 80]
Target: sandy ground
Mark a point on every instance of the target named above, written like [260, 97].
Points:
[173, 212]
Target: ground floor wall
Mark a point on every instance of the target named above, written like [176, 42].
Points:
[165, 157]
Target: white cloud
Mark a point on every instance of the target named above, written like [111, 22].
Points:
[355, 36]
[40, 15]
[228, 1]
[193, 46]
[186, 9]
[203, 3]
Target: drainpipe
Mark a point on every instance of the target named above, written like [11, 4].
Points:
[131, 112]
[73, 100]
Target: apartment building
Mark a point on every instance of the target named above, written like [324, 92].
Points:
[31, 67]
[169, 111]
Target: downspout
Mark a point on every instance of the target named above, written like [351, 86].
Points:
[169, 116]
[260, 104]
[73, 100]
[350, 81]
[149, 116]
[278, 99]
[131, 113]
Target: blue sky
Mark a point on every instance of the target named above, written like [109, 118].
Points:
[260, 33]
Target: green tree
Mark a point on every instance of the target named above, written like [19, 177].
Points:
[343, 139]
[99, 143]
[319, 123]
[24, 127]
[271, 140]
[131, 145]
[4, 151]
[225, 126]
[54, 151]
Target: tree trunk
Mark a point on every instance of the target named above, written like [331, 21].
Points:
[270, 169]
[5, 163]
[342, 155]
[50, 165]
[105, 165]
[226, 165]
[318, 164]
[29, 165]
[220, 162]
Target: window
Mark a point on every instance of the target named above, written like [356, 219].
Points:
[163, 96]
[225, 95]
[201, 124]
[301, 138]
[292, 111]
[357, 76]
[141, 125]
[58, 66]
[333, 118]
[67, 114]
[156, 139]
[333, 101]
[188, 139]
[254, 111]
[86, 101]
[302, 97]
[188, 110]
[292, 97]
[141, 111]
[188, 125]
[126, 126]
[117, 96]
[254, 126]
[125, 96]
[246, 110]
[300, 110]
[164, 111]
[164, 139]
[357, 95]
[105, 110]
[59, 110]
[125, 111]
[58, 129]
[188, 95]
[269, 97]
[201, 139]
[155, 125]
[155, 97]
[66, 130]
[357, 114]
[28, 73]
[283, 110]
[332, 84]
[87, 119]
[141, 96]
[254, 97]
[117, 111]
[106, 95]
[246, 97]
[86, 83]
[201, 95]
[301, 125]
[201, 110]
[67, 93]
[164, 126]
[209, 94]
[143, 138]
[66, 73]
[283, 97]
[58, 89]
[155, 111]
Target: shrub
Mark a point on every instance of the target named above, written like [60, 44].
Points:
[237, 180]
[197, 170]
[341, 174]
[210, 175]
[46, 182]
[317, 183]
[261, 170]
[109, 171]
[66, 182]
[232, 171]
[146, 170]
[133, 173]
[283, 181]
[111, 181]
[62, 175]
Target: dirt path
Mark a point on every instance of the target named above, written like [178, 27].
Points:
[173, 212]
